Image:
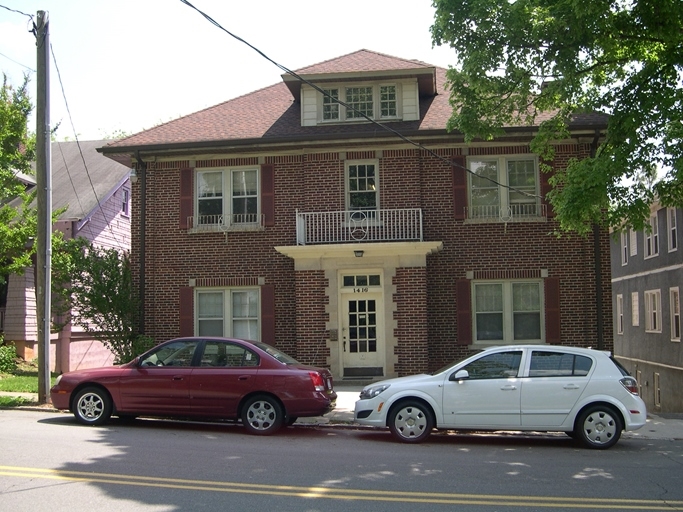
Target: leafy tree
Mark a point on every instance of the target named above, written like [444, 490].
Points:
[518, 58]
[17, 151]
[94, 289]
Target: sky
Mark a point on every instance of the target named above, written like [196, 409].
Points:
[129, 65]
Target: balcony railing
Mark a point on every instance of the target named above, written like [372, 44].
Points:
[359, 226]
[524, 212]
[237, 222]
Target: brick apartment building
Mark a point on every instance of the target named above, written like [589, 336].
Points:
[335, 217]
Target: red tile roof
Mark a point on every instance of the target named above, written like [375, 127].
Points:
[271, 114]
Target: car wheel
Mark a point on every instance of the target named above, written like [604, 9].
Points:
[411, 422]
[599, 427]
[262, 415]
[92, 406]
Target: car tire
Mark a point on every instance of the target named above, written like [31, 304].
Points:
[411, 421]
[92, 406]
[262, 415]
[598, 427]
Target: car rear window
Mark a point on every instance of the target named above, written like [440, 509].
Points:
[558, 364]
[623, 370]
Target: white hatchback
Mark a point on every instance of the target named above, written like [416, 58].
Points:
[583, 392]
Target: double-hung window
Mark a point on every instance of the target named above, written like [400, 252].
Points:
[653, 311]
[228, 197]
[652, 237]
[675, 305]
[230, 312]
[673, 230]
[359, 102]
[362, 179]
[125, 202]
[624, 248]
[504, 188]
[508, 311]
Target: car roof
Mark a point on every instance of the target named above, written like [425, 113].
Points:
[559, 348]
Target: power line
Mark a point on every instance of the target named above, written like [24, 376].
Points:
[351, 107]
[80, 151]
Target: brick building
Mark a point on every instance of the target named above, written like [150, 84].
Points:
[334, 216]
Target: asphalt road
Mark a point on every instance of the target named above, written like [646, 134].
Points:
[49, 462]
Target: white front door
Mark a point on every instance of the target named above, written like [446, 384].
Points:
[362, 334]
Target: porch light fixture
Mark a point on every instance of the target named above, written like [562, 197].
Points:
[358, 254]
[133, 176]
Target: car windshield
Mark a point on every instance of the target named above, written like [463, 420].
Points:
[277, 354]
[450, 365]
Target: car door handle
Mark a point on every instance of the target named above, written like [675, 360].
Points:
[571, 386]
[177, 377]
[508, 387]
[243, 377]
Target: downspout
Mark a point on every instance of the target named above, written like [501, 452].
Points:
[597, 254]
[143, 211]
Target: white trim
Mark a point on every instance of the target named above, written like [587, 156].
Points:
[670, 268]
[673, 301]
[653, 363]
[653, 310]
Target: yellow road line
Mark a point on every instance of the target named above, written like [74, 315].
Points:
[343, 494]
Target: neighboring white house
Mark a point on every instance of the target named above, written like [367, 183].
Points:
[96, 193]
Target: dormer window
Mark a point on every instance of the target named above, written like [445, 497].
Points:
[361, 102]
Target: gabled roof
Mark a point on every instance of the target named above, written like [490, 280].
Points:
[81, 177]
[272, 114]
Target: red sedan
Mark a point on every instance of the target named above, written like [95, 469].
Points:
[209, 378]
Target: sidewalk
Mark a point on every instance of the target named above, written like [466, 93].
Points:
[667, 426]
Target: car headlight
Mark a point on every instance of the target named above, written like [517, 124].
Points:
[59, 378]
[373, 391]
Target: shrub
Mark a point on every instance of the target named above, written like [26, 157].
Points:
[8, 357]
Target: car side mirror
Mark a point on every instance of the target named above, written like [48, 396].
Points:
[460, 375]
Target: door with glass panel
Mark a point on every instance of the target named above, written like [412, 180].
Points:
[362, 326]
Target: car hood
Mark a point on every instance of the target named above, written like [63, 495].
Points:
[407, 380]
[90, 373]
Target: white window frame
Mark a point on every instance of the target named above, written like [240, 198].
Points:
[624, 248]
[675, 313]
[347, 181]
[634, 242]
[653, 311]
[345, 115]
[125, 202]
[635, 309]
[228, 217]
[227, 314]
[651, 238]
[505, 209]
[620, 314]
[508, 312]
[672, 227]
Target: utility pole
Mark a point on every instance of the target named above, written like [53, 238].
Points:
[44, 198]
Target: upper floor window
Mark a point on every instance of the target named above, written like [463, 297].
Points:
[125, 202]
[634, 242]
[652, 238]
[653, 311]
[673, 230]
[360, 101]
[675, 305]
[504, 188]
[508, 311]
[624, 248]
[635, 309]
[228, 197]
[228, 313]
[362, 189]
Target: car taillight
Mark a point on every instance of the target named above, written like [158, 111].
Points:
[630, 384]
[317, 380]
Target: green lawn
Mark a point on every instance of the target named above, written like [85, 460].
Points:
[19, 381]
